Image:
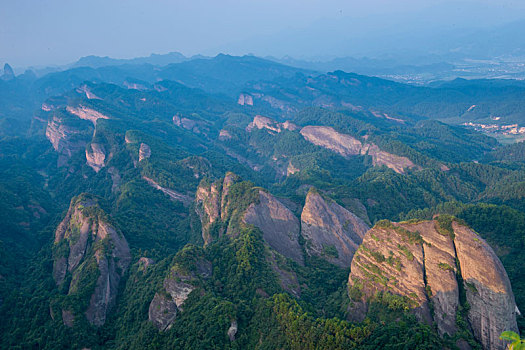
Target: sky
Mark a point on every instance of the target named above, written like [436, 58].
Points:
[47, 32]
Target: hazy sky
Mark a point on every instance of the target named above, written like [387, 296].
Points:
[36, 32]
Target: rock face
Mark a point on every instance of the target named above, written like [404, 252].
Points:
[8, 73]
[418, 261]
[67, 138]
[184, 277]
[86, 113]
[331, 231]
[174, 195]
[95, 159]
[89, 249]
[347, 146]
[260, 122]
[279, 225]
[144, 151]
[492, 305]
[245, 99]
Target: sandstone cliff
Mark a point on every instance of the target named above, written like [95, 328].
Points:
[89, 250]
[185, 275]
[95, 156]
[347, 146]
[260, 122]
[220, 212]
[331, 231]
[67, 137]
[418, 261]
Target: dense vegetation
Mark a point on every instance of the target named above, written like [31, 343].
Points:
[195, 135]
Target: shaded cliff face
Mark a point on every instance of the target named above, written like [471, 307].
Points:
[418, 261]
[184, 277]
[331, 231]
[279, 225]
[347, 146]
[222, 212]
[90, 257]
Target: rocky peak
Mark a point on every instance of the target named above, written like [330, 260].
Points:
[330, 231]
[87, 247]
[214, 205]
[417, 260]
[9, 74]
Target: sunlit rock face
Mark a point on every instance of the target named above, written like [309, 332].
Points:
[421, 261]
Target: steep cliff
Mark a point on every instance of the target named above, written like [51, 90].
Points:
[347, 146]
[186, 273]
[96, 156]
[330, 231]
[222, 211]
[68, 136]
[260, 122]
[430, 264]
[90, 257]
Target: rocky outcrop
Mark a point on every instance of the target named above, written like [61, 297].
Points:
[331, 231]
[90, 250]
[9, 74]
[67, 138]
[278, 224]
[194, 125]
[186, 273]
[232, 331]
[347, 146]
[260, 122]
[419, 261]
[84, 89]
[144, 152]
[245, 100]
[174, 195]
[489, 294]
[96, 157]
[86, 113]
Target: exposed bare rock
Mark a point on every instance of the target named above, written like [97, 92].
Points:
[86, 113]
[347, 146]
[278, 224]
[327, 137]
[291, 169]
[174, 195]
[177, 286]
[86, 244]
[95, 159]
[245, 99]
[66, 139]
[87, 91]
[331, 231]
[8, 73]
[260, 122]
[144, 263]
[224, 135]
[418, 262]
[144, 151]
[489, 294]
[232, 331]
[208, 206]
[162, 311]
